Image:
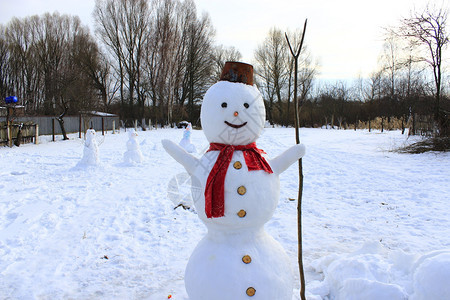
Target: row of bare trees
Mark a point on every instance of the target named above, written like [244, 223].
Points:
[43, 61]
[164, 57]
[155, 59]
[275, 68]
[409, 79]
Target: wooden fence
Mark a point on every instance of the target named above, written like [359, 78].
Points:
[18, 133]
[49, 125]
[43, 125]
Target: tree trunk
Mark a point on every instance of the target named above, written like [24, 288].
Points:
[60, 119]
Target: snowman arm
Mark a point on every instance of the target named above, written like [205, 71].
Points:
[188, 161]
[280, 163]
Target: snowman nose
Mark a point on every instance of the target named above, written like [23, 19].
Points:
[236, 114]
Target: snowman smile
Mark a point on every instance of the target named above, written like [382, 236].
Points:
[235, 126]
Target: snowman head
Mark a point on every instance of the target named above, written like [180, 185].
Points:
[90, 134]
[90, 138]
[132, 134]
[233, 110]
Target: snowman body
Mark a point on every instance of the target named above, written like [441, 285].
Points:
[255, 192]
[236, 259]
[133, 153]
[237, 256]
[185, 142]
[90, 150]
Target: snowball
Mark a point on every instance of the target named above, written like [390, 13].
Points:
[237, 104]
[432, 278]
[216, 271]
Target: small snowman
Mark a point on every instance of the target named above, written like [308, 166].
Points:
[185, 142]
[235, 188]
[133, 153]
[90, 151]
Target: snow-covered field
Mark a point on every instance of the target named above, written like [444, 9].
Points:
[371, 218]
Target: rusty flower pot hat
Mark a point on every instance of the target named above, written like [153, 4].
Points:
[237, 72]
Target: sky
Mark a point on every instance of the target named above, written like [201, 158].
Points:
[345, 37]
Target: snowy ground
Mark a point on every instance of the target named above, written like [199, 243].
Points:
[111, 232]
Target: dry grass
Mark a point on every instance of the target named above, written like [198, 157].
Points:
[438, 144]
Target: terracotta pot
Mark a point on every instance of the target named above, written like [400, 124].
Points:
[237, 72]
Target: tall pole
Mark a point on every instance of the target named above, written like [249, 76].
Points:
[300, 165]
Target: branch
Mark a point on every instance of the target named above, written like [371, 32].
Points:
[301, 42]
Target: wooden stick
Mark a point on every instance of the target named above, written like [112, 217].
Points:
[300, 166]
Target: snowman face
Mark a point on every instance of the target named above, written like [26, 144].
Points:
[232, 113]
[90, 134]
[132, 134]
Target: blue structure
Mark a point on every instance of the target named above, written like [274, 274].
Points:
[11, 99]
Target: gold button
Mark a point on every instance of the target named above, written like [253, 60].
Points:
[241, 213]
[251, 291]
[237, 165]
[246, 259]
[241, 190]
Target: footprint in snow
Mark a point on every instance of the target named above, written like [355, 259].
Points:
[19, 172]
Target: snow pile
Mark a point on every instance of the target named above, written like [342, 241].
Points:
[364, 274]
[368, 274]
[432, 277]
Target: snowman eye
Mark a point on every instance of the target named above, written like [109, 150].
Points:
[246, 105]
[224, 104]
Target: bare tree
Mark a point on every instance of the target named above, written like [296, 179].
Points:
[49, 53]
[390, 63]
[198, 61]
[23, 62]
[341, 94]
[44, 63]
[222, 54]
[307, 72]
[4, 67]
[158, 61]
[123, 26]
[306, 75]
[86, 59]
[271, 65]
[178, 60]
[427, 30]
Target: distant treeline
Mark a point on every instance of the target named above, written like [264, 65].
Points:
[156, 59]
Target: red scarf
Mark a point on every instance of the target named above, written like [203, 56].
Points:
[214, 191]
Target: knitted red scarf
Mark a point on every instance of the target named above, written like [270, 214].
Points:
[214, 191]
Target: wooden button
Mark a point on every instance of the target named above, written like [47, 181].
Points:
[241, 190]
[251, 291]
[241, 213]
[237, 165]
[246, 259]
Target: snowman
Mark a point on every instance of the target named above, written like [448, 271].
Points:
[90, 151]
[235, 189]
[133, 153]
[185, 142]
